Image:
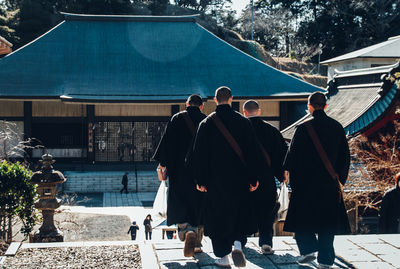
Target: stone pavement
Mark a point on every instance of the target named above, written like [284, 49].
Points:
[110, 181]
[134, 205]
[109, 199]
[355, 251]
[114, 199]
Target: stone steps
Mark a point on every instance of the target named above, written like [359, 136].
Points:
[109, 181]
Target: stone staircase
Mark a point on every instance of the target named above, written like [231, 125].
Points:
[110, 181]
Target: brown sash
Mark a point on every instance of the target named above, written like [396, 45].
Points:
[189, 123]
[324, 157]
[221, 127]
[266, 155]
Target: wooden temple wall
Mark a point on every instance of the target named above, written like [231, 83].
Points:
[11, 109]
[60, 109]
[133, 110]
[38, 118]
[57, 109]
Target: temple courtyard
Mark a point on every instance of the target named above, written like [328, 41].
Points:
[95, 234]
[355, 251]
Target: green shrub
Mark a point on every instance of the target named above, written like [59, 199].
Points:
[292, 55]
[17, 196]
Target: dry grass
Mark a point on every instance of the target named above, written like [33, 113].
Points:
[379, 156]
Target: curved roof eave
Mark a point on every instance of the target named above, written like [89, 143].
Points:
[371, 115]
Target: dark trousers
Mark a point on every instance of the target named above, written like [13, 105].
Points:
[133, 236]
[170, 234]
[223, 246]
[308, 243]
[266, 231]
[265, 201]
[148, 235]
[125, 188]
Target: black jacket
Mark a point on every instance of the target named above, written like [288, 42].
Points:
[147, 226]
[314, 205]
[183, 198]
[389, 213]
[124, 180]
[227, 179]
[133, 229]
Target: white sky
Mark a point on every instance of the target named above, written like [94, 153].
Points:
[239, 5]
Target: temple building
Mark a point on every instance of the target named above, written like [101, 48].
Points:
[381, 54]
[100, 89]
[362, 100]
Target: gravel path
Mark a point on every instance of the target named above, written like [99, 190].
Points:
[87, 227]
[76, 257]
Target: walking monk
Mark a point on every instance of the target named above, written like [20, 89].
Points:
[228, 164]
[318, 161]
[184, 201]
[274, 149]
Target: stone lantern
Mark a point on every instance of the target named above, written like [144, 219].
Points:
[47, 180]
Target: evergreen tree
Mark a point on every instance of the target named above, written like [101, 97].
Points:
[32, 18]
[158, 7]
[340, 26]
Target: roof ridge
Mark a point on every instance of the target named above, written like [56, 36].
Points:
[363, 52]
[146, 18]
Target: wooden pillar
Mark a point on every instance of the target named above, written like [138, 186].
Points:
[91, 122]
[174, 109]
[283, 115]
[27, 119]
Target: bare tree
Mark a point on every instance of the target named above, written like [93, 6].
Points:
[12, 143]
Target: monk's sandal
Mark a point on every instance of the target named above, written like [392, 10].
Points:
[190, 244]
[267, 250]
[237, 255]
[303, 259]
[223, 262]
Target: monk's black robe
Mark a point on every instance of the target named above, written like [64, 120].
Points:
[314, 205]
[272, 141]
[228, 210]
[389, 213]
[183, 198]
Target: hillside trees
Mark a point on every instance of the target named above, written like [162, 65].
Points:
[340, 26]
[158, 7]
[7, 24]
[283, 27]
[33, 18]
[273, 27]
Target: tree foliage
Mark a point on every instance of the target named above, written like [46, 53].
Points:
[158, 7]
[17, 197]
[283, 27]
[340, 26]
[33, 18]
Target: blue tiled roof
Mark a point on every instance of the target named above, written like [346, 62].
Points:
[356, 102]
[133, 58]
[374, 112]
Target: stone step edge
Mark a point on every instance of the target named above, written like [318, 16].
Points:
[146, 251]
